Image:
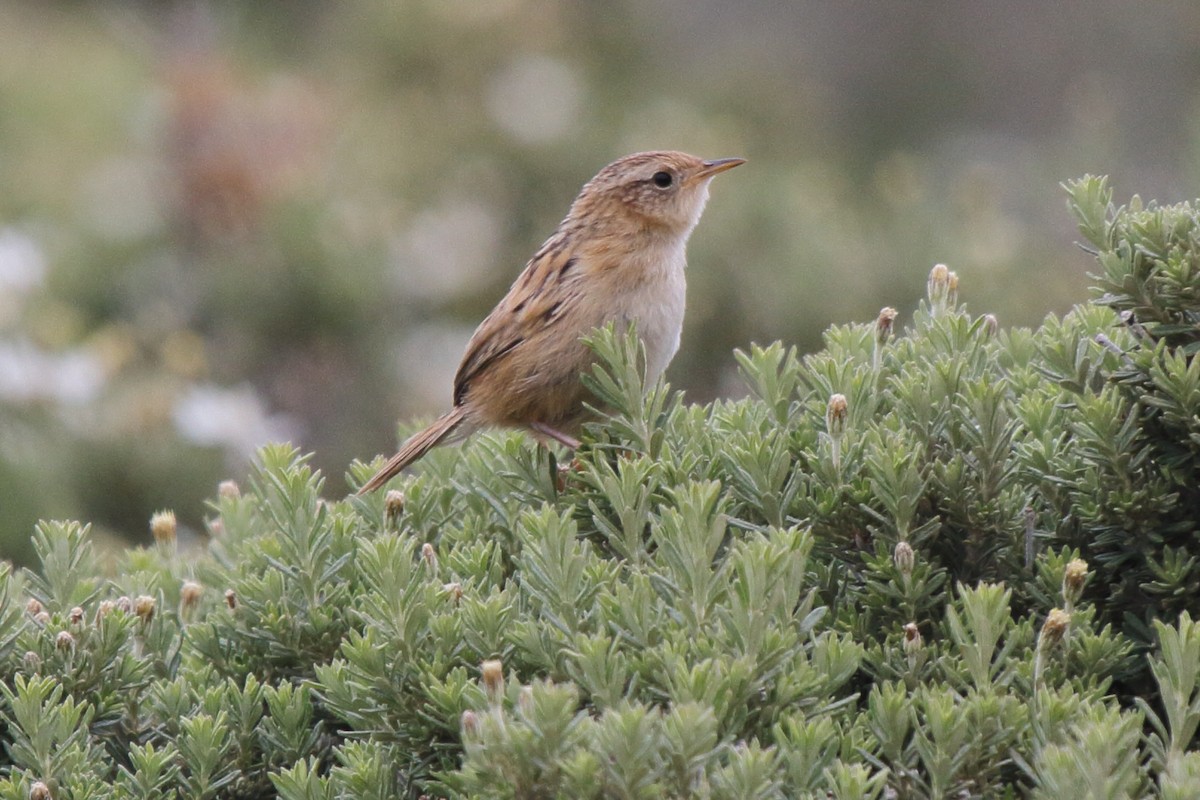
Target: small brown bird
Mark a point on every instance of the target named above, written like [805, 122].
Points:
[617, 257]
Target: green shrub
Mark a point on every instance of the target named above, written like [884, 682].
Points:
[957, 561]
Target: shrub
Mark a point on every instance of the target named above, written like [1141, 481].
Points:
[958, 561]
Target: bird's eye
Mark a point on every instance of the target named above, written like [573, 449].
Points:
[662, 179]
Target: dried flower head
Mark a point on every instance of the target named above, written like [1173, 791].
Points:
[1054, 628]
[1075, 573]
[40, 791]
[64, 641]
[75, 616]
[163, 527]
[455, 590]
[189, 595]
[231, 599]
[393, 504]
[228, 490]
[144, 608]
[884, 323]
[883, 332]
[1074, 579]
[34, 606]
[429, 555]
[493, 679]
[937, 287]
[835, 415]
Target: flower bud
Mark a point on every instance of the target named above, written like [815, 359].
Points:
[455, 590]
[231, 599]
[883, 332]
[835, 416]
[144, 608]
[470, 724]
[493, 679]
[31, 661]
[952, 289]
[104, 609]
[904, 558]
[125, 604]
[912, 639]
[75, 616]
[34, 606]
[937, 288]
[216, 527]
[42, 618]
[430, 557]
[64, 641]
[228, 490]
[991, 325]
[163, 527]
[40, 791]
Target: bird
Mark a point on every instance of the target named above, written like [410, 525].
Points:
[617, 257]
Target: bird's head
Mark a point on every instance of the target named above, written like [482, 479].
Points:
[662, 190]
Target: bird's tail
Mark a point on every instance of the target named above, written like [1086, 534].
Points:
[418, 445]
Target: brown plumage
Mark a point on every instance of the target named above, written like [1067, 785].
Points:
[618, 256]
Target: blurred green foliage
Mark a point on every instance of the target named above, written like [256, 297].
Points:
[225, 223]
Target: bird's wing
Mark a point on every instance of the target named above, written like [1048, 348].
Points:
[536, 299]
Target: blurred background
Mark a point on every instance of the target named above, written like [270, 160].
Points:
[225, 223]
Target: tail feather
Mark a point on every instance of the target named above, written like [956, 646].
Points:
[418, 445]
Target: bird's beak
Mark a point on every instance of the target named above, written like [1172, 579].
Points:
[711, 168]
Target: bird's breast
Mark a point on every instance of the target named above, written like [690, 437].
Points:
[655, 304]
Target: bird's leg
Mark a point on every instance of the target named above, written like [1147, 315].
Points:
[558, 436]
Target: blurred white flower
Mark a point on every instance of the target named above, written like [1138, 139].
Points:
[22, 268]
[446, 249]
[29, 374]
[426, 359]
[234, 418]
[536, 98]
[22, 262]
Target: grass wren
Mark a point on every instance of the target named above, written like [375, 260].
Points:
[618, 256]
